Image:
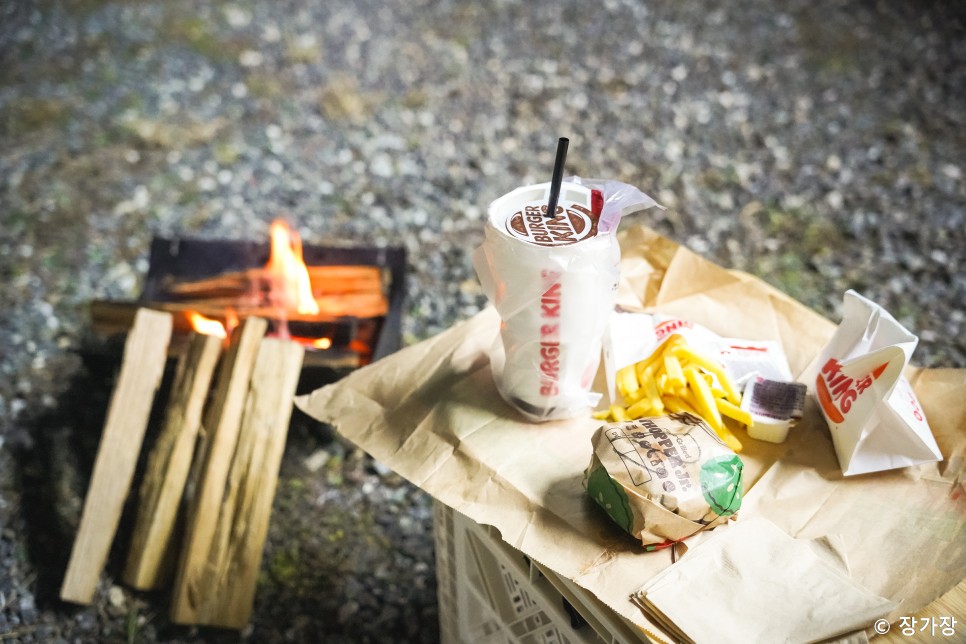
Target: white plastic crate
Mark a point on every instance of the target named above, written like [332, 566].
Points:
[489, 592]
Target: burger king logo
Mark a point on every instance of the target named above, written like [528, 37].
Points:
[568, 226]
[837, 392]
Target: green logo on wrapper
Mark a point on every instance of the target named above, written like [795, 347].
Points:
[610, 496]
[721, 484]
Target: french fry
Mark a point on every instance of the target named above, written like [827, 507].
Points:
[678, 405]
[702, 396]
[627, 382]
[640, 409]
[685, 352]
[716, 389]
[734, 412]
[688, 397]
[672, 367]
[644, 371]
[676, 378]
[619, 413]
[654, 396]
[729, 439]
[658, 354]
[705, 403]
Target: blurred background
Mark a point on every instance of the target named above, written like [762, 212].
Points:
[818, 145]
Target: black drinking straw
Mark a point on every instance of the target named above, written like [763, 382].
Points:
[558, 166]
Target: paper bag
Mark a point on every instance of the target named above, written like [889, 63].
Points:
[874, 417]
[432, 413]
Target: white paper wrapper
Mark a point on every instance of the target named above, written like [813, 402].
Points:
[554, 283]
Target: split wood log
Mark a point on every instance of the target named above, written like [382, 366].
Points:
[362, 305]
[206, 481]
[108, 315]
[325, 280]
[222, 417]
[153, 549]
[111, 318]
[217, 579]
[142, 368]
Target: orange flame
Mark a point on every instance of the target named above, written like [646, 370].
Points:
[322, 343]
[231, 320]
[206, 326]
[290, 277]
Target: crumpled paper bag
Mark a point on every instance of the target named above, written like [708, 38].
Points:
[874, 416]
[751, 582]
[432, 414]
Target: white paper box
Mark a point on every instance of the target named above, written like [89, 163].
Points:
[874, 417]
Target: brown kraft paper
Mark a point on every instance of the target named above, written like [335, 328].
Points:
[432, 413]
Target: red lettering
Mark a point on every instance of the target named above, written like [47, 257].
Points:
[549, 351]
[831, 367]
[916, 411]
[549, 346]
[550, 302]
[550, 368]
[669, 326]
[849, 397]
[833, 387]
[840, 385]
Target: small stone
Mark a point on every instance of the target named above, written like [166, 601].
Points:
[952, 171]
[834, 199]
[117, 597]
[316, 460]
[381, 468]
[347, 610]
[250, 58]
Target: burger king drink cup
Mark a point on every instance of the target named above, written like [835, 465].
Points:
[553, 281]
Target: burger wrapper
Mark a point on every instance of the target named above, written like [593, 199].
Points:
[663, 479]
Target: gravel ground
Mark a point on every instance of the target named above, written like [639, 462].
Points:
[816, 144]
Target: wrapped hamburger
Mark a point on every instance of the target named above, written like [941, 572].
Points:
[665, 478]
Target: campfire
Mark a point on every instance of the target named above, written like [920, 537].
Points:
[243, 322]
[341, 302]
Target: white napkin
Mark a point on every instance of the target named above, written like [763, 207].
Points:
[751, 582]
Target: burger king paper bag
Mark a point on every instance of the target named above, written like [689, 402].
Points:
[874, 417]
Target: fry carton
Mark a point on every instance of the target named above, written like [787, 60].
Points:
[874, 417]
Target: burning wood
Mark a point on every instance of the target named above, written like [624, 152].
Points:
[349, 315]
[224, 470]
[285, 288]
[325, 280]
